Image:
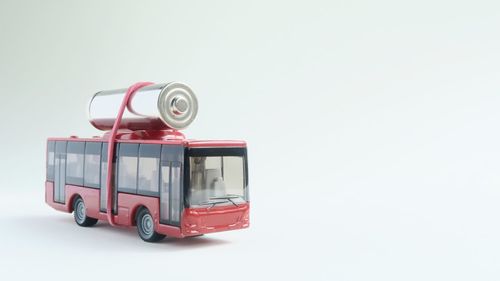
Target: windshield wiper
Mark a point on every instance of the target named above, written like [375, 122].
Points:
[227, 197]
[211, 203]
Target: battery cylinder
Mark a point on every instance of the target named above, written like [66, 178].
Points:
[154, 107]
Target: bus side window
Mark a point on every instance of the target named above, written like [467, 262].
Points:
[175, 193]
[165, 192]
[60, 171]
[92, 164]
[51, 147]
[104, 174]
[127, 167]
[74, 163]
[149, 165]
[171, 184]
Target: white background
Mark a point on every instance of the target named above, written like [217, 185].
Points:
[372, 129]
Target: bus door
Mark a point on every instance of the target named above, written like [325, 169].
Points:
[171, 192]
[60, 172]
[104, 173]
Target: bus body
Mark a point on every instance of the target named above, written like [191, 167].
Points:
[158, 180]
[174, 179]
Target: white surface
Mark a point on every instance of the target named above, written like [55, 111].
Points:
[372, 129]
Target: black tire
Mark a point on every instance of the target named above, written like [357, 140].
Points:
[145, 226]
[80, 214]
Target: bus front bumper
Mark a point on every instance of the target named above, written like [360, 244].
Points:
[197, 221]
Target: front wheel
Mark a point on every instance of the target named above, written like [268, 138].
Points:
[146, 227]
[80, 214]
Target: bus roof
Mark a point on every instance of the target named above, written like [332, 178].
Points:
[172, 141]
[216, 143]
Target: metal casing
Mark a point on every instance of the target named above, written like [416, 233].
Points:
[154, 107]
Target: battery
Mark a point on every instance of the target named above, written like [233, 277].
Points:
[154, 107]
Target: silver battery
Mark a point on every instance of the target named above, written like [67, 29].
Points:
[155, 107]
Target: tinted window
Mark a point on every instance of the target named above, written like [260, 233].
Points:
[51, 145]
[104, 173]
[216, 172]
[127, 167]
[149, 163]
[74, 163]
[165, 192]
[171, 179]
[92, 164]
[60, 172]
[175, 192]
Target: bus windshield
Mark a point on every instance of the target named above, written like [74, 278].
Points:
[217, 176]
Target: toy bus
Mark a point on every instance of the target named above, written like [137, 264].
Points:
[158, 181]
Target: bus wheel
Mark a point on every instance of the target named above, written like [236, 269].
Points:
[80, 214]
[146, 227]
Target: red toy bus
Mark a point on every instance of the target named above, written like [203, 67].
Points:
[159, 181]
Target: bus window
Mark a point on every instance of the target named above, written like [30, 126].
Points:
[60, 172]
[149, 163]
[104, 174]
[171, 184]
[74, 163]
[51, 147]
[92, 164]
[175, 193]
[170, 193]
[127, 167]
[165, 192]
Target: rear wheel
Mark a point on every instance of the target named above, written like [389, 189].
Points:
[146, 227]
[80, 214]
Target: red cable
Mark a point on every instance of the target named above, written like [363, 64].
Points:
[111, 147]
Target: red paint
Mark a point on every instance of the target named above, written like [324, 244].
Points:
[219, 218]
